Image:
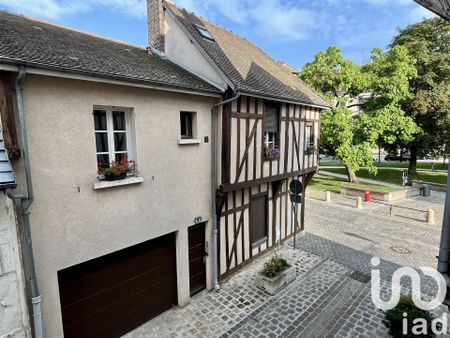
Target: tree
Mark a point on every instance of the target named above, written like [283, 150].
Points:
[428, 43]
[351, 137]
[389, 75]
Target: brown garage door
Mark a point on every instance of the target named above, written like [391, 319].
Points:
[113, 294]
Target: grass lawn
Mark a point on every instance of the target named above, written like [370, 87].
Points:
[395, 175]
[334, 184]
[394, 164]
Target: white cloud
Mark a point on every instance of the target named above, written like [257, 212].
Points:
[57, 9]
[270, 18]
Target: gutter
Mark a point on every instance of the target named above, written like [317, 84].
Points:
[26, 200]
[444, 247]
[214, 184]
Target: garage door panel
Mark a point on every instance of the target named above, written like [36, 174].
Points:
[106, 277]
[140, 315]
[100, 301]
[98, 322]
[128, 288]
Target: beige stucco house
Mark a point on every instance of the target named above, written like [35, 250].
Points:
[217, 130]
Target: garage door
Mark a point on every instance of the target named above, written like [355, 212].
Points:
[111, 295]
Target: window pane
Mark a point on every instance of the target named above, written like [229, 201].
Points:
[186, 124]
[120, 156]
[103, 161]
[271, 121]
[308, 136]
[102, 142]
[119, 120]
[100, 119]
[120, 141]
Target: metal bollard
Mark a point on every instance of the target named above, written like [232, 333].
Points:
[430, 216]
[359, 204]
[327, 196]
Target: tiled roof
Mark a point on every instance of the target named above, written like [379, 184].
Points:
[35, 43]
[248, 67]
[7, 178]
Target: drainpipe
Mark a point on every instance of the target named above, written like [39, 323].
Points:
[444, 247]
[26, 200]
[215, 254]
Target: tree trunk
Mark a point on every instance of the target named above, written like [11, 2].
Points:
[351, 175]
[412, 170]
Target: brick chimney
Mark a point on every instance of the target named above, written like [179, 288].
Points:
[155, 23]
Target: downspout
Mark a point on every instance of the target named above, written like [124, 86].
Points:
[26, 200]
[444, 248]
[215, 254]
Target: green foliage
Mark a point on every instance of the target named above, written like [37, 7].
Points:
[333, 76]
[394, 318]
[351, 137]
[389, 75]
[274, 266]
[340, 134]
[428, 43]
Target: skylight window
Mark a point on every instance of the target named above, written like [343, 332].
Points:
[204, 32]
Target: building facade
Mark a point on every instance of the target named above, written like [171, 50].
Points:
[111, 255]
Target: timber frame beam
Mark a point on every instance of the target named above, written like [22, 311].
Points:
[246, 184]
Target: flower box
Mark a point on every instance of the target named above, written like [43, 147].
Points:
[273, 285]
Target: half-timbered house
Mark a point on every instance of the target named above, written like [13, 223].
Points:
[217, 128]
[268, 130]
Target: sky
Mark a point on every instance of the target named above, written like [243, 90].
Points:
[290, 31]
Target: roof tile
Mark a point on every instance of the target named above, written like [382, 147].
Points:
[35, 43]
[247, 66]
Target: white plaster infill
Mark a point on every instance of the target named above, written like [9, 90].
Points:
[189, 141]
[111, 184]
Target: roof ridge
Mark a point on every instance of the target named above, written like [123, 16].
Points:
[235, 34]
[98, 36]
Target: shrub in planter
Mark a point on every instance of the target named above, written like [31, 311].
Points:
[275, 275]
[394, 318]
[274, 266]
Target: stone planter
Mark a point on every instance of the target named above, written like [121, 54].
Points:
[275, 284]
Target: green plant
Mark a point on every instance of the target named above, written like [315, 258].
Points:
[394, 318]
[274, 266]
[116, 168]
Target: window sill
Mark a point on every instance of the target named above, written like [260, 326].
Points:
[188, 141]
[259, 242]
[110, 184]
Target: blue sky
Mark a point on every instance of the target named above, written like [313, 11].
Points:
[288, 30]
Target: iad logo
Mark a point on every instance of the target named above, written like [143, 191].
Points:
[420, 325]
[415, 287]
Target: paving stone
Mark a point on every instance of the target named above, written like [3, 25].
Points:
[331, 295]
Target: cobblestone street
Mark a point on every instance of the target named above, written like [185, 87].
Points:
[331, 295]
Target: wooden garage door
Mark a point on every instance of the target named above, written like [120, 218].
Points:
[111, 295]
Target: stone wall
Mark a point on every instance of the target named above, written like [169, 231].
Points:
[14, 320]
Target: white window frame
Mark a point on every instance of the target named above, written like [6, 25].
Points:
[129, 134]
[309, 139]
[204, 32]
[269, 143]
